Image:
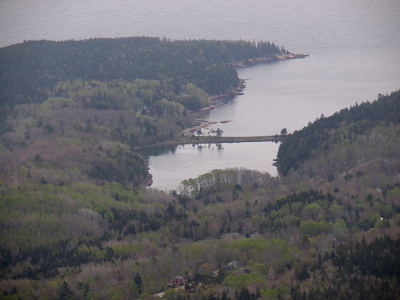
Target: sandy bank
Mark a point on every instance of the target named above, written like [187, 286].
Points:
[188, 131]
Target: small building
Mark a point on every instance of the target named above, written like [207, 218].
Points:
[231, 265]
[177, 281]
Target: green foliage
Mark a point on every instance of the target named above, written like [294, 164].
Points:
[158, 96]
[193, 97]
[217, 180]
[243, 280]
[260, 268]
[313, 228]
[126, 251]
[120, 166]
[170, 294]
[59, 102]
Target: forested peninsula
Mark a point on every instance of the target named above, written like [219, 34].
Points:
[76, 221]
[33, 71]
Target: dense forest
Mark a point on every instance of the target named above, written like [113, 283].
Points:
[77, 222]
[30, 71]
[342, 127]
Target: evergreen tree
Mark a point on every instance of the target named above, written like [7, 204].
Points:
[139, 282]
[64, 291]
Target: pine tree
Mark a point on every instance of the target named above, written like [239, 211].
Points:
[64, 291]
[37, 158]
[139, 282]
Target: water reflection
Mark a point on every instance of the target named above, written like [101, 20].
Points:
[160, 150]
[171, 149]
[172, 164]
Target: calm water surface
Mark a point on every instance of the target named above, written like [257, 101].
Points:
[354, 49]
[177, 163]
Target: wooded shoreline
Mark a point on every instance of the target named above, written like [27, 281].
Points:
[242, 83]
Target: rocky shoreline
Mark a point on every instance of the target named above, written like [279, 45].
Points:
[237, 91]
[247, 62]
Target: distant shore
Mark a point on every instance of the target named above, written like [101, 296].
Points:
[242, 83]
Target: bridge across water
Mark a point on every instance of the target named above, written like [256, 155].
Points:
[235, 139]
[186, 140]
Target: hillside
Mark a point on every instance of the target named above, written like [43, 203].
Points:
[355, 127]
[76, 221]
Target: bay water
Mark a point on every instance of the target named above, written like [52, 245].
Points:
[354, 49]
